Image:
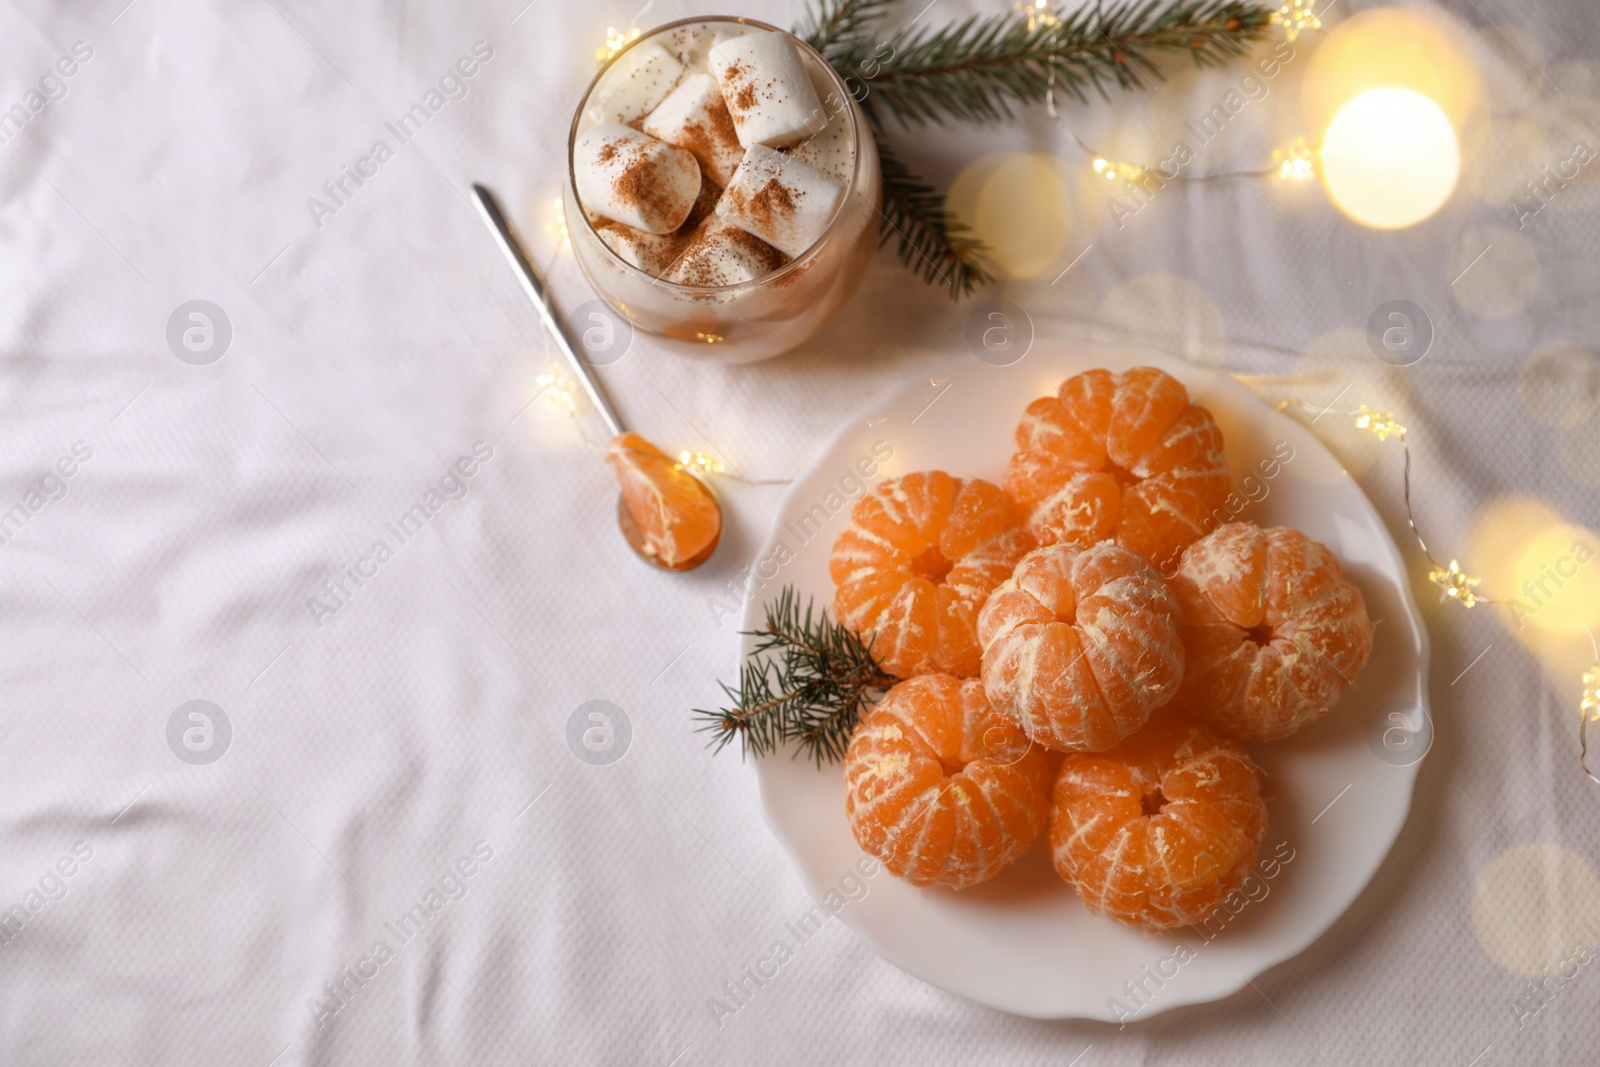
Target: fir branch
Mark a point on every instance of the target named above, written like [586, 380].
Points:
[980, 68]
[838, 25]
[807, 679]
[934, 242]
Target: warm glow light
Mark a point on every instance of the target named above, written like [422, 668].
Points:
[1557, 580]
[1296, 17]
[558, 391]
[1415, 48]
[1390, 158]
[616, 41]
[1022, 212]
[1295, 163]
[557, 226]
[1039, 14]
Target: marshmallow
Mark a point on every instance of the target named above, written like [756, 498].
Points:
[637, 80]
[722, 254]
[650, 252]
[780, 200]
[693, 116]
[768, 92]
[692, 44]
[829, 150]
[629, 177]
[653, 253]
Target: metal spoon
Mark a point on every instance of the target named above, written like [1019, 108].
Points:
[538, 291]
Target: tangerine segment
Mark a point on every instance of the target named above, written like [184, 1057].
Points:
[1081, 645]
[1122, 456]
[676, 514]
[942, 788]
[1273, 631]
[913, 568]
[1156, 831]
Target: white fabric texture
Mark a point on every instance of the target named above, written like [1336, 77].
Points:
[405, 744]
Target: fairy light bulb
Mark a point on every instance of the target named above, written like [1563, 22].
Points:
[1390, 158]
[1456, 584]
[1296, 16]
[558, 391]
[556, 227]
[1381, 423]
[700, 463]
[1295, 163]
[616, 41]
[1039, 14]
[1111, 171]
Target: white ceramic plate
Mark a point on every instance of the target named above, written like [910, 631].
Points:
[1337, 792]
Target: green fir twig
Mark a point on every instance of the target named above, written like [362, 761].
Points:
[933, 241]
[807, 679]
[982, 68]
[838, 25]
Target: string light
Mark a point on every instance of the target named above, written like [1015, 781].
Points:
[557, 226]
[1296, 16]
[1456, 583]
[1297, 162]
[558, 390]
[699, 463]
[1381, 423]
[1112, 171]
[616, 41]
[1588, 711]
[1039, 14]
[1590, 704]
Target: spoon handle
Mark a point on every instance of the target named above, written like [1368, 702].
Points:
[538, 291]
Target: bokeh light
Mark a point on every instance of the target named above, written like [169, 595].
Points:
[1533, 905]
[1558, 580]
[1547, 570]
[1425, 51]
[1022, 213]
[1559, 385]
[1390, 158]
[1492, 271]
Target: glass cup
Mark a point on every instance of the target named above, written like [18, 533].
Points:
[757, 319]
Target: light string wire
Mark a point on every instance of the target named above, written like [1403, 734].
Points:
[1454, 582]
[702, 464]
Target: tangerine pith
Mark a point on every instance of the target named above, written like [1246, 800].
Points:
[941, 787]
[677, 518]
[1081, 645]
[1273, 630]
[1158, 830]
[1124, 456]
[921, 554]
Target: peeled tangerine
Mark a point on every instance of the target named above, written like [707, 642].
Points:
[1273, 632]
[677, 519]
[943, 789]
[1156, 831]
[1081, 645]
[1122, 456]
[921, 554]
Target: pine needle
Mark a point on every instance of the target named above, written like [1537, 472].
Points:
[933, 242]
[838, 25]
[980, 68]
[808, 679]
